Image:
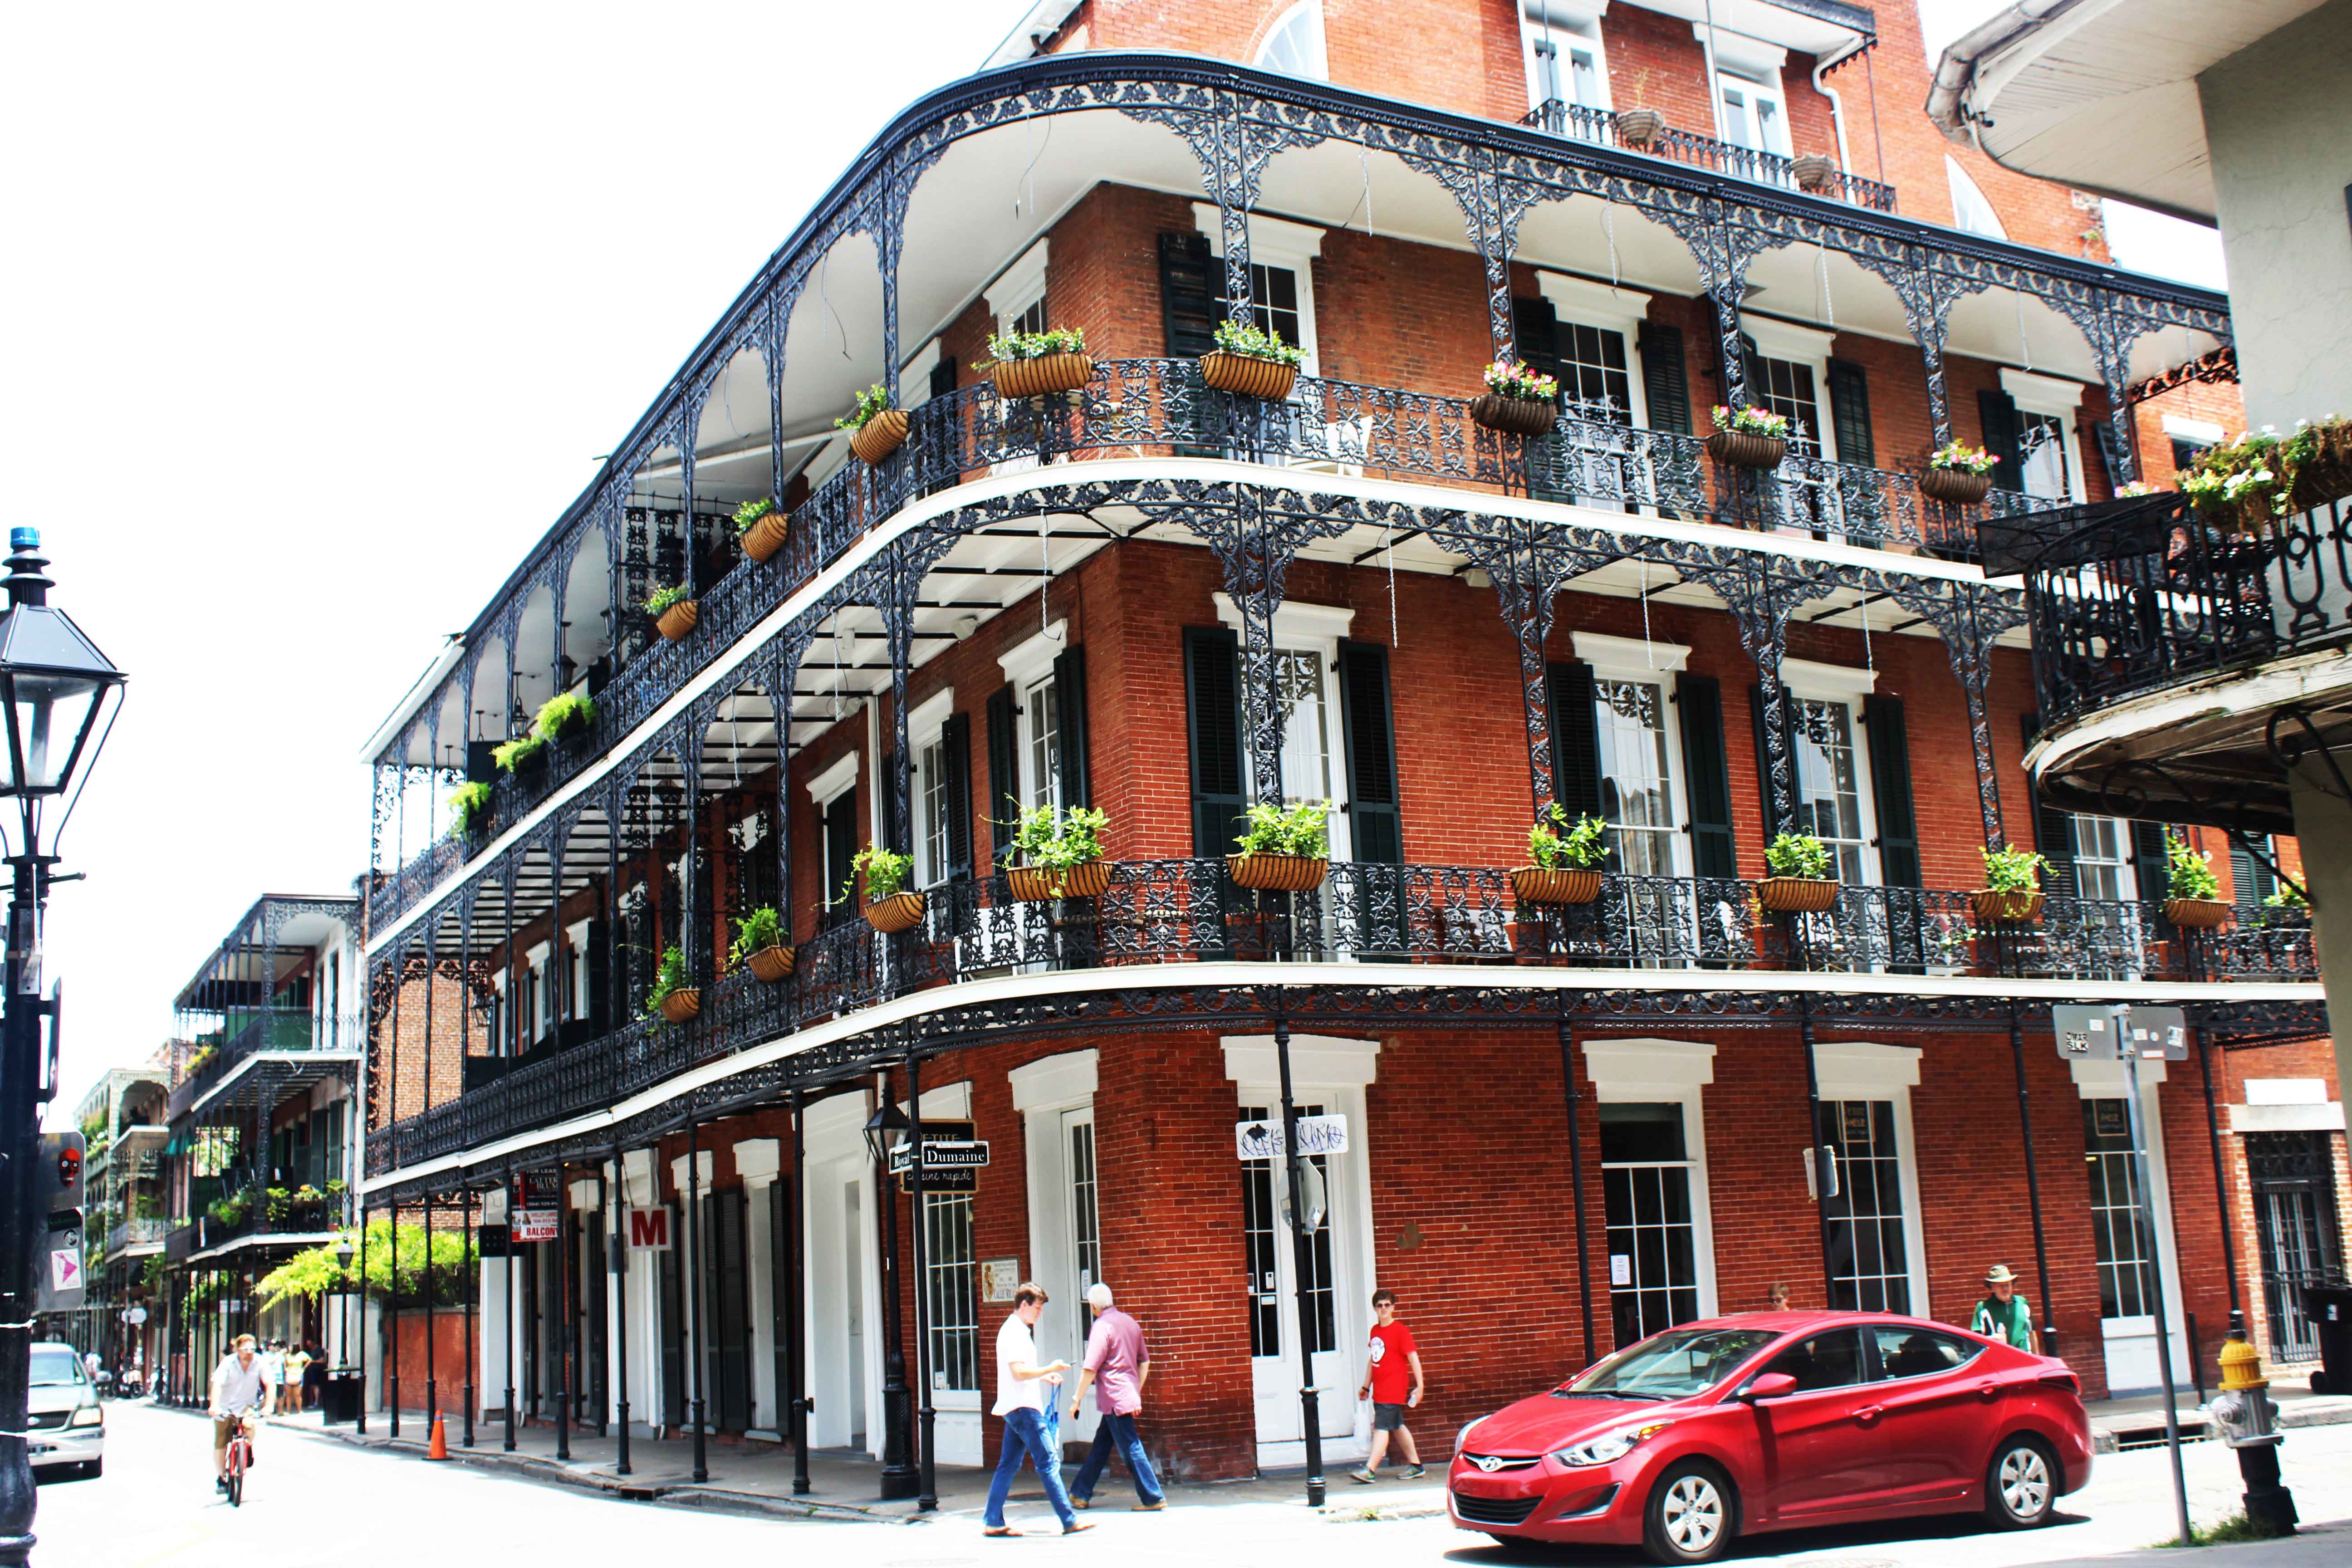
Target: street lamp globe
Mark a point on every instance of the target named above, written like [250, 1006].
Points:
[879, 1128]
[54, 682]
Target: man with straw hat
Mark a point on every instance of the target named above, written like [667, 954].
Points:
[2003, 1315]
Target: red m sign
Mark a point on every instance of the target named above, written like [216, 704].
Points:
[649, 1230]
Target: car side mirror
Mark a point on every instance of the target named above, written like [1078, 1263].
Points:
[1768, 1386]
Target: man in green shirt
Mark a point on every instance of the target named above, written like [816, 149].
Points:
[2004, 1315]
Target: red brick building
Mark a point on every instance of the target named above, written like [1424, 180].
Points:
[1568, 1126]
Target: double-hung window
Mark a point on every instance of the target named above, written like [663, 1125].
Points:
[2048, 463]
[1567, 66]
[834, 793]
[575, 937]
[1306, 655]
[1832, 754]
[1282, 285]
[1755, 115]
[925, 727]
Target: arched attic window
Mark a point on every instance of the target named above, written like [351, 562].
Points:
[1295, 45]
[1971, 211]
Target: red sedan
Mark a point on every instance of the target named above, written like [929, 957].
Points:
[1773, 1421]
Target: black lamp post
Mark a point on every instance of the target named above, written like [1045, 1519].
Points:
[55, 686]
[343, 1261]
[885, 1127]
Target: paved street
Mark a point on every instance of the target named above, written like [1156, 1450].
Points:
[314, 1500]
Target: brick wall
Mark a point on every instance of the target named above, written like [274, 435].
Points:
[417, 1047]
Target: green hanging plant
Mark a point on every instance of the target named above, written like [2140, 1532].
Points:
[668, 980]
[2188, 873]
[885, 871]
[1581, 848]
[2013, 871]
[469, 803]
[1302, 829]
[568, 714]
[1798, 855]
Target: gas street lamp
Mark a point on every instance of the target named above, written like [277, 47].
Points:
[55, 687]
[885, 1128]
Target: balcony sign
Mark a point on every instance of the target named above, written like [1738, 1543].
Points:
[1317, 1135]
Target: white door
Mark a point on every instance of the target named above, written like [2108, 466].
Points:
[1333, 1320]
[852, 1303]
[2126, 1276]
[1067, 1238]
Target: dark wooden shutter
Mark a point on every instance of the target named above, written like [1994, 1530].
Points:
[1850, 415]
[1666, 381]
[840, 847]
[943, 375]
[673, 1312]
[2110, 455]
[2150, 868]
[2250, 880]
[1070, 726]
[1997, 414]
[1707, 787]
[1366, 719]
[1772, 825]
[1004, 773]
[1890, 783]
[955, 747]
[781, 1301]
[600, 977]
[1534, 329]
[1213, 710]
[728, 1316]
[1575, 739]
[886, 779]
[1188, 295]
[2054, 830]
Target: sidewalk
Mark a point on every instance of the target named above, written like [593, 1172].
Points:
[2120, 1424]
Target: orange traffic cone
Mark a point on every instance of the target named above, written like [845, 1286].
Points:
[438, 1448]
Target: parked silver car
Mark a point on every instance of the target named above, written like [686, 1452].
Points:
[68, 1433]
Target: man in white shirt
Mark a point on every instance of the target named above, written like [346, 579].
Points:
[1022, 1391]
[240, 1385]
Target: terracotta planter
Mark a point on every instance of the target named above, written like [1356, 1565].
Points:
[1042, 376]
[1814, 173]
[680, 1006]
[1271, 873]
[1746, 450]
[1555, 884]
[1515, 416]
[1796, 895]
[1639, 127]
[1250, 377]
[2196, 914]
[2014, 908]
[879, 437]
[769, 965]
[2327, 475]
[1036, 885]
[895, 913]
[1955, 487]
[765, 537]
[677, 620]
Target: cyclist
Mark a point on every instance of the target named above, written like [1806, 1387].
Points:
[240, 1386]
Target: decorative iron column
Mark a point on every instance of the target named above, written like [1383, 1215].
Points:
[2033, 1180]
[694, 1273]
[473, 1267]
[898, 1476]
[1302, 1256]
[1576, 1176]
[927, 1497]
[619, 1271]
[795, 1329]
[565, 1348]
[1969, 617]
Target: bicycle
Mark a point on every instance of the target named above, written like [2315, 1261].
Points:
[240, 1456]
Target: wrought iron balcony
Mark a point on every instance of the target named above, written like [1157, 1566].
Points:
[131, 1233]
[1160, 408]
[269, 1213]
[1600, 128]
[1189, 912]
[268, 1034]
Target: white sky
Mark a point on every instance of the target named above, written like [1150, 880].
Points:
[317, 317]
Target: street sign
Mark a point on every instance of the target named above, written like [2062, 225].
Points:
[2158, 1034]
[2086, 1033]
[532, 1213]
[649, 1230]
[61, 1283]
[952, 1158]
[1317, 1135]
[954, 1155]
[532, 1225]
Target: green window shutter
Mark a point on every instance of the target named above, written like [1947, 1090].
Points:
[1365, 716]
[1997, 414]
[2150, 868]
[1004, 773]
[1535, 328]
[1575, 739]
[1189, 290]
[886, 780]
[955, 744]
[2054, 830]
[1665, 380]
[1850, 414]
[1070, 726]
[840, 845]
[2250, 880]
[1890, 783]
[1213, 714]
[1706, 783]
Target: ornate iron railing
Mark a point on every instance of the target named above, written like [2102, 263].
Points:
[1160, 408]
[1180, 911]
[1600, 128]
[2132, 605]
[286, 1032]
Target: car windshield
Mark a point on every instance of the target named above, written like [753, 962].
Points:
[1672, 1365]
[55, 1367]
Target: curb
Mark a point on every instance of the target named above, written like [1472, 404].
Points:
[2148, 1430]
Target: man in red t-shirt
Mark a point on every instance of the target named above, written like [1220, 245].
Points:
[1393, 1383]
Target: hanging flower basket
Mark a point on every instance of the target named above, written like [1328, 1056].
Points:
[1042, 376]
[765, 537]
[1746, 450]
[1271, 873]
[2196, 914]
[1814, 171]
[895, 913]
[1555, 884]
[679, 1006]
[1039, 884]
[879, 437]
[2016, 906]
[1249, 376]
[1797, 895]
[677, 620]
[1514, 416]
[769, 965]
[1639, 127]
[1954, 487]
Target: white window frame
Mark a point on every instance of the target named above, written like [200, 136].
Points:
[1026, 669]
[927, 721]
[1018, 287]
[1808, 346]
[576, 936]
[1045, 1092]
[1318, 629]
[1580, 302]
[1275, 242]
[1311, 12]
[1638, 1071]
[2128, 877]
[543, 1004]
[1971, 213]
[1757, 89]
[2052, 397]
[2104, 1081]
[1630, 659]
[1870, 1069]
[1805, 679]
[1559, 20]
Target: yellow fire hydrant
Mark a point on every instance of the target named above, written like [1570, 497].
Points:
[2249, 1423]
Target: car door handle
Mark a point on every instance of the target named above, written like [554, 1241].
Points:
[1987, 1390]
[1868, 1414]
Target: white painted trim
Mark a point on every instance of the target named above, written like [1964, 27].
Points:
[1631, 655]
[1056, 1082]
[1563, 13]
[584, 1196]
[702, 1162]
[2203, 431]
[949, 1102]
[928, 718]
[2043, 393]
[1326, 1061]
[2104, 1079]
[1777, 339]
[1032, 659]
[829, 785]
[2328, 1118]
[1626, 1071]
[1273, 241]
[1596, 305]
[760, 1158]
[1864, 1069]
[2285, 1090]
[637, 1176]
[1743, 54]
[1827, 682]
[1292, 620]
[1018, 287]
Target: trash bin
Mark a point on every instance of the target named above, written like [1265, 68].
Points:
[2329, 1308]
[339, 1400]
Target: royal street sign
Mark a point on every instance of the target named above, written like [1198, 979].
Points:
[1317, 1135]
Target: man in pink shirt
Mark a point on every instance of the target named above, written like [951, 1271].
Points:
[1118, 1363]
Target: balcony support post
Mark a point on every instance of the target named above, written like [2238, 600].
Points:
[1576, 1175]
[1302, 1256]
[514, 1285]
[392, 1312]
[692, 1275]
[1491, 212]
[795, 1315]
[1926, 295]
[1761, 607]
[927, 1493]
[1817, 1150]
[558, 953]
[784, 676]
[472, 1265]
[617, 974]
[2032, 1180]
[1969, 617]
[2113, 344]
[771, 364]
[619, 1272]
[507, 1044]
[354, 1345]
[1254, 547]
[2201, 1039]
[566, 1343]
[432, 1384]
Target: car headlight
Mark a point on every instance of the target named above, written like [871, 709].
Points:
[1609, 1446]
[87, 1415]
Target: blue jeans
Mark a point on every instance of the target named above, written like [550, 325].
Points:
[1118, 1429]
[1025, 1437]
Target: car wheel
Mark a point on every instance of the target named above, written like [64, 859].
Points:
[2021, 1484]
[1690, 1516]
